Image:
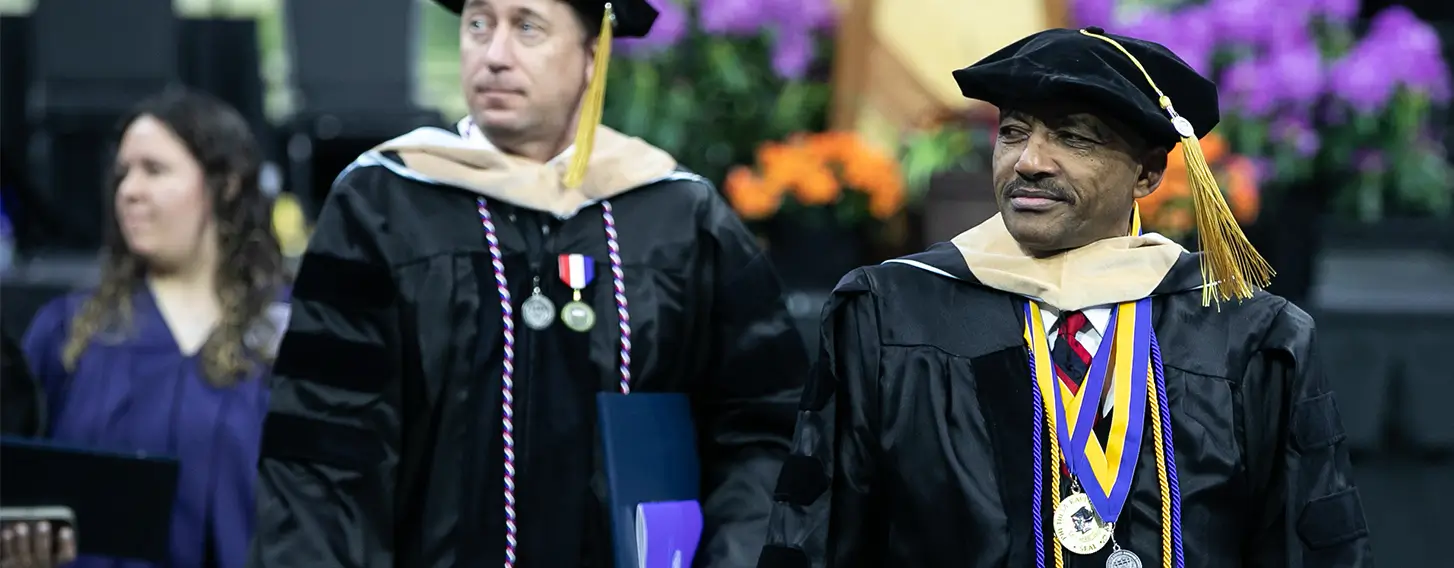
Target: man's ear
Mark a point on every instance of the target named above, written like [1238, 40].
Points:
[1153, 169]
[590, 60]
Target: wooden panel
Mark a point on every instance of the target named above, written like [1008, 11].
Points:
[934, 37]
[850, 62]
[894, 67]
[1057, 13]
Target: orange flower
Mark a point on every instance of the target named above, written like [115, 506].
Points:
[1241, 188]
[816, 169]
[1169, 208]
[1176, 161]
[885, 204]
[748, 193]
[816, 186]
[1151, 204]
[1214, 148]
[833, 146]
[775, 155]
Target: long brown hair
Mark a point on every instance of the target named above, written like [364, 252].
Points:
[250, 269]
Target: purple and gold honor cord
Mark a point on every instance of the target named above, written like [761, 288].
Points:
[1166, 466]
[507, 375]
[1170, 493]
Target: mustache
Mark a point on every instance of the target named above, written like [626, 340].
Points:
[1046, 189]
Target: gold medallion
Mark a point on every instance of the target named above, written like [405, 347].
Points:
[1078, 527]
[578, 316]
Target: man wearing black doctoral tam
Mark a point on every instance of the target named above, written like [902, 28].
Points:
[468, 299]
[1056, 387]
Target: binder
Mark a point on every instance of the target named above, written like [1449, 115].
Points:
[122, 502]
[652, 478]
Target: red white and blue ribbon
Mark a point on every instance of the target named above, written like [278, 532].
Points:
[507, 317]
[576, 270]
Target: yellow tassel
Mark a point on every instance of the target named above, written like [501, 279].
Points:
[1231, 268]
[591, 104]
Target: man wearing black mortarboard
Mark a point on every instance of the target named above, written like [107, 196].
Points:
[467, 296]
[1057, 387]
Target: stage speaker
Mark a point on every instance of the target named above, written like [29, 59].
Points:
[90, 63]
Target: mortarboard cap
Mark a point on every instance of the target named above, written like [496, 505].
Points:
[1134, 81]
[619, 18]
[1064, 64]
[634, 18]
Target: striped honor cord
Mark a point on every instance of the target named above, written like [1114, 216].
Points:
[507, 375]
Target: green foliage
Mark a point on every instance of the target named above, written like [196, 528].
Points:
[711, 100]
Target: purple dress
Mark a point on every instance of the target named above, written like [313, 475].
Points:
[138, 392]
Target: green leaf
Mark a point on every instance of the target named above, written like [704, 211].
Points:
[728, 66]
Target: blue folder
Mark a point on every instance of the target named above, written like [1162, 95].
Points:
[650, 456]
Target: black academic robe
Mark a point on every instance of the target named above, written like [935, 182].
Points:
[383, 445]
[914, 445]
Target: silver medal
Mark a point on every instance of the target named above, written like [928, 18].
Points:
[537, 311]
[1122, 558]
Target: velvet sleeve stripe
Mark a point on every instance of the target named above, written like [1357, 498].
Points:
[287, 437]
[332, 361]
[344, 283]
[778, 556]
[802, 481]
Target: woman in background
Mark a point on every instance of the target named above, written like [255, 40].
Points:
[166, 355]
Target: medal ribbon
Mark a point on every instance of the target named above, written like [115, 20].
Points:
[1138, 316]
[577, 271]
[1126, 351]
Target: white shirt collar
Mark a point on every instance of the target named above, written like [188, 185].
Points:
[468, 131]
[1099, 318]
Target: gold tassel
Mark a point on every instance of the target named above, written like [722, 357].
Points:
[591, 104]
[1231, 268]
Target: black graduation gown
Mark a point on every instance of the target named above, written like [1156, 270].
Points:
[382, 446]
[914, 446]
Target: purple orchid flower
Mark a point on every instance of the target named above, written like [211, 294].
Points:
[669, 29]
[732, 17]
[1414, 56]
[1249, 23]
[1087, 13]
[1295, 72]
[1299, 134]
[1244, 88]
[1186, 33]
[1360, 78]
[792, 53]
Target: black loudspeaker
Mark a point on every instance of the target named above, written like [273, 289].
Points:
[353, 55]
[355, 85]
[90, 62]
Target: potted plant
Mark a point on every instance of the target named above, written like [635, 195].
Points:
[715, 78]
[1336, 121]
[821, 201]
[947, 168]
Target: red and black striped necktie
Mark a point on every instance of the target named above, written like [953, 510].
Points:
[1071, 358]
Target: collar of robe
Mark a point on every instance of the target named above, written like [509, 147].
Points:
[618, 164]
[1108, 271]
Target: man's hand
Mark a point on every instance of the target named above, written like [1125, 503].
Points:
[32, 545]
